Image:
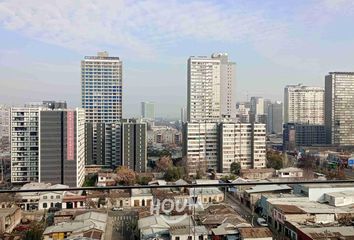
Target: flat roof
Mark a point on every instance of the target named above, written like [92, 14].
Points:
[268, 188]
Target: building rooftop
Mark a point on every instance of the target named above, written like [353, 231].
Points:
[141, 192]
[290, 169]
[188, 229]
[323, 232]
[261, 232]
[268, 188]
[82, 222]
[225, 229]
[257, 170]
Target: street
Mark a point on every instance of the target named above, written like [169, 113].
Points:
[242, 210]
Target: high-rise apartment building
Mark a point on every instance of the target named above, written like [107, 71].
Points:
[339, 105]
[48, 145]
[243, 143]
[210, 88]
[101, 88]
[104, 148]
[148, 110]
[217, 145]
[200, 146]
[4, 121]
[120, 143]
[303, 104]
[275, 117]
[134, 145]
[302, 134]
[101, 96]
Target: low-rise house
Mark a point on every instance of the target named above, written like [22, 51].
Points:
[30, 201]
[306, 232]
[119, 198]
[290, 172]
[260, 233]
[90, 225]
[52, 198]
[225, 231]
[252, 195]
[207, 195]
[171, 227]
[73, 200]
[262, 173]
[9, 219]
[188, 232]
[106, 178]
[215, 215]
[141, 197]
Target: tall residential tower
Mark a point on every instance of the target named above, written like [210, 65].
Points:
[101, 88]
[339, 105]
[303, 104]
[210, 88]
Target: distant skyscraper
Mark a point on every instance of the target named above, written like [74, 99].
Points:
[183, 115]
[101, 88]
[48, 145]
[148, 110]
[101, 96]
[339, 105]
[210, 88]
[257, 105]
[267, 103]
[4, 121]
[303, 104]
[257, 110]
[275, 117]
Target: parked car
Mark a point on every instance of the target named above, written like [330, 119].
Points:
[262, 222]
[117, 209]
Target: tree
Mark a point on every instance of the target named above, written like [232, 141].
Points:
[235, 168]
[35, 232]
[125, 176]
[164, 163]
[274, 160]
[174, 173]
[227, 178]
[143, 180]
[90, 181]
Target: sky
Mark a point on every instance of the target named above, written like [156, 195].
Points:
[274, 43]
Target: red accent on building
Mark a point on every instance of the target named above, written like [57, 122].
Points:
[70, 136]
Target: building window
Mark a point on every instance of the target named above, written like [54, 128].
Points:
[45, 205]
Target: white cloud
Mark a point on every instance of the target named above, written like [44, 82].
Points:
[142, 27]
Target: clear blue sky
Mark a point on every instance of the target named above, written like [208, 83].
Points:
[274, 43]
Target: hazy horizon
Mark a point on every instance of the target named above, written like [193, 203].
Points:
[273, 44]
